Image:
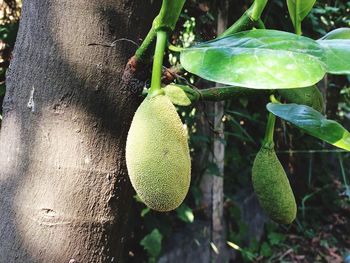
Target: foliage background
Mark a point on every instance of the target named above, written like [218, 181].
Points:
[319, 173]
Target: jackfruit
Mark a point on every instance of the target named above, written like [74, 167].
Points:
[157, 154]
[309, 96]
[272, 187]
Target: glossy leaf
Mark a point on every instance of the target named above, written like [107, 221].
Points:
[336, 55]
[313, 123]
[299, 9]
[258, 59]
[339, 33]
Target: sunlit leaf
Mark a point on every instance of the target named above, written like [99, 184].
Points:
[299, 9]
[339, 33]
[336, 55]
[313, 123]
[259, 59]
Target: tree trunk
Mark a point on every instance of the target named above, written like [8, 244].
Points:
[64, 190]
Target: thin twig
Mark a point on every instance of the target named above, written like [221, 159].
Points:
[114, 43]
[285, 254]
[313, 151]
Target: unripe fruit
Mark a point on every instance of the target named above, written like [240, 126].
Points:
[272, 187]
[309, 96]
[157, 154]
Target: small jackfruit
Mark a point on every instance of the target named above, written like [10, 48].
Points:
[157, 154]
[272, 187]
[309, 96]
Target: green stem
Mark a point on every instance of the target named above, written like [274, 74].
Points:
[249, 19]
[165, 20]
[298, 28]
[245, 22]
[158, 63]
[270, 128]
[218, 93]
[169, 14]
[145, 51]
[274, 100]
[297, 25]
[257, 9]
[175, 48]
[224, 93]
[260, 24]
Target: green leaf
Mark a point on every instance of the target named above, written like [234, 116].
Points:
[152, 243]
[185, 213]
[265, 250]
[258, 59]
[313, 123]
[299, 9]
[309, 96]
[177, 95]
[276, 238]
[337, 55]
[339, 33]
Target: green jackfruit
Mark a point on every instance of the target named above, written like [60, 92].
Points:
[309, 96]
[272, 187]
[157, 154]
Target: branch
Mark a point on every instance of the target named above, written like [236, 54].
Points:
[165, 20]
[217, 93]
[225, 93]
[249, 19]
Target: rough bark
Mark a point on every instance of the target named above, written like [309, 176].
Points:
[64, 191]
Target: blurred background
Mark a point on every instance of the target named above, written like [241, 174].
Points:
[221, 215]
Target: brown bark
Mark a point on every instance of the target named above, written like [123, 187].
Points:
[64, 191]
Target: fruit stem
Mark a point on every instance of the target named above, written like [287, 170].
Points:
[270, 128]
[158, 62]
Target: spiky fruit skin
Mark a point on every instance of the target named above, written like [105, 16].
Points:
[309, 96]
[272, 187]
[157, 154]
